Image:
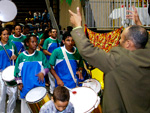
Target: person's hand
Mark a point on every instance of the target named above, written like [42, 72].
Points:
[20, 86]
[60, 82]
[13, 57]
[75, 18]
[134, 16]
[79, 74]
[41, 77]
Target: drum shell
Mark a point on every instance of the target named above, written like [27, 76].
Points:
[35, 106]
[11, 83]
[98, 109]
[9, 72]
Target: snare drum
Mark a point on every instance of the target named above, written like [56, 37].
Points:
[84, 99]
[92, 83]
[8, 76]
[36, 98]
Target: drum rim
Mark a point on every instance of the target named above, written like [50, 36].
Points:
[97, 82]
[95, 101]
[37, 100]
[3, 71]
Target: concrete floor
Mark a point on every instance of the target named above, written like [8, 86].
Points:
[18, 106]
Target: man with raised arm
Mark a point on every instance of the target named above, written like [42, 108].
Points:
[126, 68]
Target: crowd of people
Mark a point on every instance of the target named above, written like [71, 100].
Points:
[37, 17]
[36, 55]
[41, 57]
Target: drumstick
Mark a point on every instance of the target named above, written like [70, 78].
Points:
[19, 50]
[74, 92]
[13, 53]
[85, 82]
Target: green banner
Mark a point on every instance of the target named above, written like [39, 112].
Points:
[69, 2]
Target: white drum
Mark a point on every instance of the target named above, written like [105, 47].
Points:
[92, 83]
[8, 10]
[8, 76]
[36, 98]
[84, 99]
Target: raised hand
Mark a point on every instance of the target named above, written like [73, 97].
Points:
[134, 16]
[75, 18]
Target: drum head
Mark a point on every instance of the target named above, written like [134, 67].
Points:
[8, 10]
[8, 74]
[35, 94]
[83, 99]
[92, 83]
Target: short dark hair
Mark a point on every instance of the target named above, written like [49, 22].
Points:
[46, 34]
[69, 28]
[61, 93]
[17, 25]
[66, 34]
[27, 40]
[138, 35]
[1, 30]
[52, 29]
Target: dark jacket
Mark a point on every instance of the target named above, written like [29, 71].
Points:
[127, 75]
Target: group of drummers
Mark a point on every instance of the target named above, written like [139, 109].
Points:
[24, 67]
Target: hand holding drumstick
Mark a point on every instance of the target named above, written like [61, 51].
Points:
[20, 86]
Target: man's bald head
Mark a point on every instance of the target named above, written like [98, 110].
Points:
[138, 35]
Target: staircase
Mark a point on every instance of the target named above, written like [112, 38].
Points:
[24, 6]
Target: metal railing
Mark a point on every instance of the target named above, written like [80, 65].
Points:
[108, 14]
[52, 18]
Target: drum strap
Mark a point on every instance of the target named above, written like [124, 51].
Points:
[68, 64]
[6, 53]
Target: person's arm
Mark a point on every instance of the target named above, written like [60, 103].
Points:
[40, 77]
[15, 54]
[75, 19]
[13, 57]
[45, 47]
[59, 81]
[15, 50]
[134, 16]
[94, 55]
[17, 76]
[79, 73]
[45, 69]
[40, 44]
[80, 67]
[52, 62]
[46, 52]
